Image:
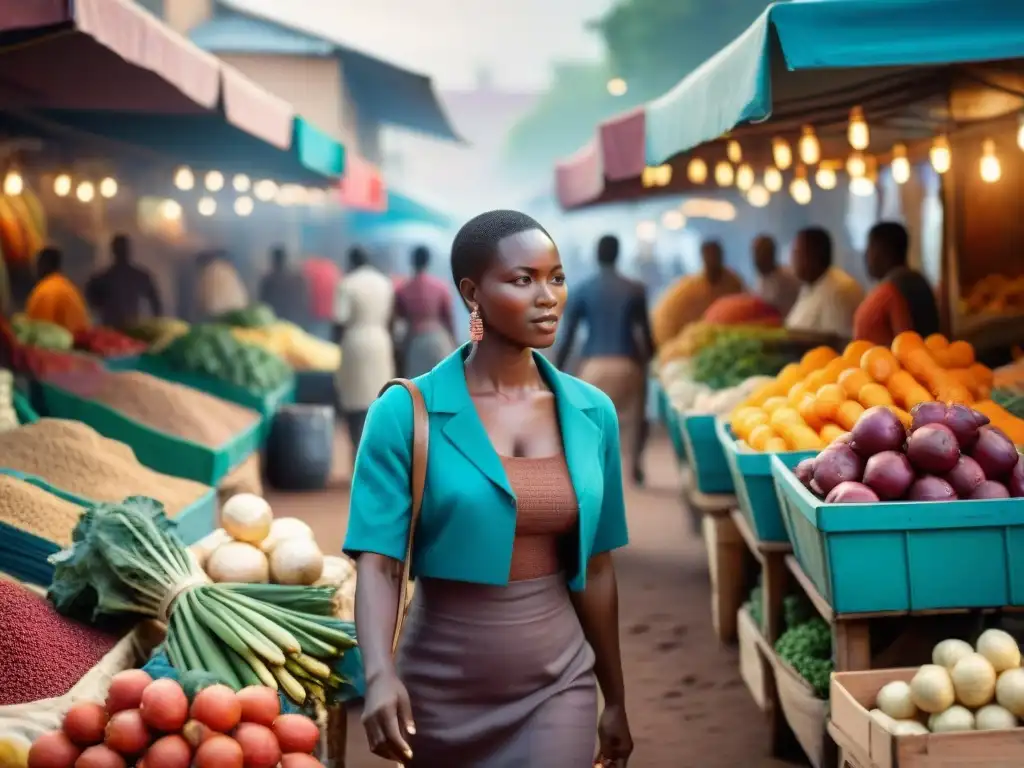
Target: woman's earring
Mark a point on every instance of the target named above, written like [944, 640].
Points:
[476, 325]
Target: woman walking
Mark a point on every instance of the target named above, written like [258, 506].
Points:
[425, 304]
[516, 607]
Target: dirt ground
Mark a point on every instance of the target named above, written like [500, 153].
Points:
[688, 707]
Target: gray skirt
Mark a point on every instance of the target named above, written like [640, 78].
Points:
[499, 677]
[424, 349]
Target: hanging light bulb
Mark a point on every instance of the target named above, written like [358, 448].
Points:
[697, 171]
[825, 177]
[647, 231]
[108, 187]
[991, 170]
[900, 164]
[265, 190]
[772, 179]
[14, 185]
[939, 155]
[243, 206]
[734, 151]
[663, 175]
[857, 132]
[617, 86]
[809, 148]
[215, 181]
[62, 185]
[317, 197]
[184, 179]
[170, 210]
[744, 178]
[1020, 132]
[800, 187]
[673, 220]
[862, 186]
[724, 174]
[856, 165]
[85, 192]
[758, 196]
[207, 206]
[647, 177]
[241, 183]
[782, 153]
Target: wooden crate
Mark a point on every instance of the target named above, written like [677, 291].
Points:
[853, 694]
[726, 552]
[805, 713]
[753, 666]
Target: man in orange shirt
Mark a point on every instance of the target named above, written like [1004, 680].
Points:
[55, 299]
[903, 300]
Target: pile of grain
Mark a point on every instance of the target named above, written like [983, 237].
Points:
[75, 458]
[173, 409]
[33, 510]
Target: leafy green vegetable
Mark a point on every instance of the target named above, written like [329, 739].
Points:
[214, 351]
[807, 648]
[39, 333]
[253, 316]
[735, 356]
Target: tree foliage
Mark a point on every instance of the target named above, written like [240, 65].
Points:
[652, 44]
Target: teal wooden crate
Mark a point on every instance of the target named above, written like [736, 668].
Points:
[905, 556]
[24, 555]
[266, 405]
[704, 450]
[168, 454]
[755, 487]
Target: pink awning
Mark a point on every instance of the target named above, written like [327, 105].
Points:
[87, 68]
[579, 179]
[622, 145]
[256, 110]
[616, 153]
[362, 187]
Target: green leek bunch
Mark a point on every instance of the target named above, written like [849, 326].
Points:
[126, 559]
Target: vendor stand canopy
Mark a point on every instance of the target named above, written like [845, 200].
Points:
[883, 55]
[110, 69]
[400, 211]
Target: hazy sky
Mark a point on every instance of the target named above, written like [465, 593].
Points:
[449, 39]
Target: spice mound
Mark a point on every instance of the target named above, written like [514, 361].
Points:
[33, 510]
[42, 654]
[75, 458]
[173, 409]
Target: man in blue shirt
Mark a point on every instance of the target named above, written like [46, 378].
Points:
[618, 346]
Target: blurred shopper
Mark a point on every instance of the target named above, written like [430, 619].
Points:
[322, 278]
[55, 299]
[618, 347]
[124, 292]
[363, 316]
[689, 297]
[775, 284]
[220, 287]
[829, 297]
[424, 302]
[285, 290]
[903, 300]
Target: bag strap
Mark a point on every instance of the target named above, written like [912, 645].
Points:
[417, 477]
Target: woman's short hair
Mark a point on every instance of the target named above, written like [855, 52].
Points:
[476, 244]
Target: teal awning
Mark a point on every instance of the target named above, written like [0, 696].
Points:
[317, 150]
[402, 210]
[863, 41]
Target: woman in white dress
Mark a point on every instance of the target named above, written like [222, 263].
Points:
[363, 313]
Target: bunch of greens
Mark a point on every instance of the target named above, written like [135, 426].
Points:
[125, 559]
[807, 648]
[737, 355]
[213, 350]
[253, 316]
[755, 605]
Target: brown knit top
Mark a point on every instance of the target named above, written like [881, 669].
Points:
[546, 515]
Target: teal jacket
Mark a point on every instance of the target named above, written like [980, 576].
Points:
[468, 520]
